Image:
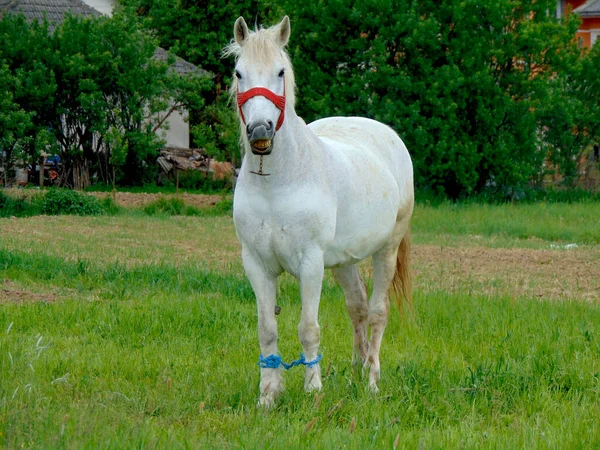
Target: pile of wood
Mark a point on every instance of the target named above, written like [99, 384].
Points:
[175, 159]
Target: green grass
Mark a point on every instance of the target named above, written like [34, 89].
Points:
[551, 222]
[137, 342]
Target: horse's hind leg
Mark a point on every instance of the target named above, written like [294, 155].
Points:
[356, 303]
[384, 268]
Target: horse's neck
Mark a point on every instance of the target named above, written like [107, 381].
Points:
[295, 155]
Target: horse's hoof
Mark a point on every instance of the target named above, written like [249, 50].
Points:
[312, 387]
[312, 381]
[266, 400]
[373, 388]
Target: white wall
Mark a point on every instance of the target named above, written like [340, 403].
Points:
[104, 6]
[178, 132]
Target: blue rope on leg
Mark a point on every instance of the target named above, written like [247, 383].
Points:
[270, 362]
[275, 361]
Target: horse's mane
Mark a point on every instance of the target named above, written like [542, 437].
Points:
[261, 47]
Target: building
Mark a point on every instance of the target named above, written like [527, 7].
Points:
[589, 11]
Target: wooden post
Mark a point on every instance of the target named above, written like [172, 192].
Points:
[42, 167]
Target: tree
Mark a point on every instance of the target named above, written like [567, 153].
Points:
[460, 81]
[25, 51]
[570, 115]
[198, 31]
[14, 122]
[114, 96]
[96, 87]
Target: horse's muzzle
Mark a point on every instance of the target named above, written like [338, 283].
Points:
[260, 136]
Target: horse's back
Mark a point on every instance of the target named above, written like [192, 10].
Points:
[367, 136]
[369, 171]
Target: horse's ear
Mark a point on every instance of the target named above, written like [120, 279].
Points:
[240, 31]
[284, 31]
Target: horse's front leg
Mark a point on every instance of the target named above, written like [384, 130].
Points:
[264, 285]
[309, 332]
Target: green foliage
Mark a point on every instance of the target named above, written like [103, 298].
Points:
[456, 79]
[198, 32]
[171, 206]
[66, 201]
[95, 87]
[223, 208]
[174, 206]
[27, 88]
[217, 131]
[109, 206]
[195, 181]
[466, 84]
[570, 115]
[484, 93]
[16, 207]
[14, 121]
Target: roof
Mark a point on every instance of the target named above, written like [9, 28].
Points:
[55, 11]
[181, 65]
[590, 8]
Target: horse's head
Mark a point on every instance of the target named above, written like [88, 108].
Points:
[264, 81]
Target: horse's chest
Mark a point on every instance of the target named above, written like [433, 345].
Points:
[282, 231]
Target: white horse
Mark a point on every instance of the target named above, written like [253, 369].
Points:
[309, 197]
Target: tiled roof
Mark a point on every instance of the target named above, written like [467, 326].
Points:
[181, 65]
[53, 10]
[590, 8]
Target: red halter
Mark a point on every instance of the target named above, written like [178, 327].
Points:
[277, 100]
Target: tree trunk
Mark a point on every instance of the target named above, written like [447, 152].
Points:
[42, 167]
[81, 175]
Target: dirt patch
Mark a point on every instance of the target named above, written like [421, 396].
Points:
[10, 292]
[549, 274]
[138, 200]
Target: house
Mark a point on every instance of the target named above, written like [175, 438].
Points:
[174, 127]
[589, 11]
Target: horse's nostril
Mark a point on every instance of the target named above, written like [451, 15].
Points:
[249, 129]
[269, 125]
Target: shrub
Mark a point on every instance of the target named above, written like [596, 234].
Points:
[170, 206]
[64, 201]
[174, 206]
[193, 180]
[109, 206]
[18, 207]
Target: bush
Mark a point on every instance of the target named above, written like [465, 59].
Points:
[192, 180]
[170, 206]
[64, 201]
[109, 206]
[18, 207]
[174, 206]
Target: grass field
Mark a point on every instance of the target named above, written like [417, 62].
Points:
[136, 331]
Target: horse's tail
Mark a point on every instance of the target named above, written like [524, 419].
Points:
[402, 282]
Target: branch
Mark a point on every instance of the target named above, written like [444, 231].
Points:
[166, 116]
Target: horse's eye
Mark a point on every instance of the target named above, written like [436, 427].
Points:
[238, 75]
[281, 73]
